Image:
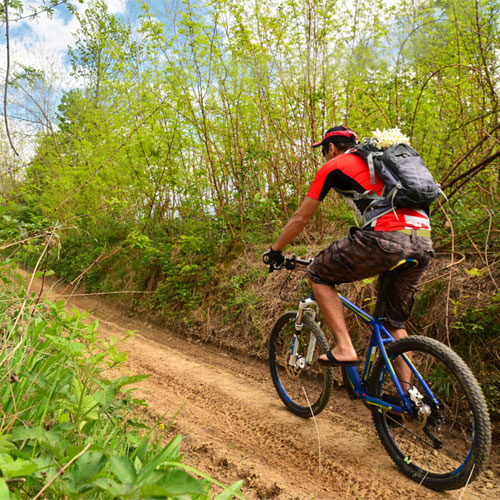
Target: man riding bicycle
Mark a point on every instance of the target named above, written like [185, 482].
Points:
[392, 235]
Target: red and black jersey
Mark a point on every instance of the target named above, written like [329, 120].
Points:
[349, 172]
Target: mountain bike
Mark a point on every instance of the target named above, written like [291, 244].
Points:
[435, 426]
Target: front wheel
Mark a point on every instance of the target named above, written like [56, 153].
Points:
[446, 441]
[302, 383]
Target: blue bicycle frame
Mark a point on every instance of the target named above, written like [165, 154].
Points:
[380, 336]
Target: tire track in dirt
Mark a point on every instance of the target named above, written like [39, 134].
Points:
[235, 426]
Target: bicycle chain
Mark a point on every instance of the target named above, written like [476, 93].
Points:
[410, 431]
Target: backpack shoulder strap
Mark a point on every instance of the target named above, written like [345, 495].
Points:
[367, 151]
[371, 167]
[355, 195]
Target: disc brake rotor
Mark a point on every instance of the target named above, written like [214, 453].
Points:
[415, 422]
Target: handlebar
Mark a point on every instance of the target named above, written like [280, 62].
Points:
[290, 263]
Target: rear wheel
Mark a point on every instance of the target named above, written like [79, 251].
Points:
[302, 383]
[443, 445]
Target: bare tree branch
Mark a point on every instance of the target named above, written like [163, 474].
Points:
[471, 172]
[488, 135]
[6, 7]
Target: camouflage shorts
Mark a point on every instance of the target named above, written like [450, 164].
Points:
[368, 253]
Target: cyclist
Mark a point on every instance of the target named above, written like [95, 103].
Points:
[401, 233]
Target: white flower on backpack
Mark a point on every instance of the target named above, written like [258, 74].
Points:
[383, 139]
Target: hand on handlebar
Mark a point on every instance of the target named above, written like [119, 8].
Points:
[273, 258]
[276, 260]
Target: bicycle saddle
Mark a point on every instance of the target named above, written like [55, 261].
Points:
[403, 264]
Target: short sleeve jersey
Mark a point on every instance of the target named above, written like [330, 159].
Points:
[349, 172]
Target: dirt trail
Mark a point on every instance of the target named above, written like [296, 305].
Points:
[235, 426]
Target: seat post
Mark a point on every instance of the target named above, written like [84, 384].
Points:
[385, 284]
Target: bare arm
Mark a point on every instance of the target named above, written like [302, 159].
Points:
[296, 224]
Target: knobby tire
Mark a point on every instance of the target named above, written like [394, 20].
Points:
[290, 382]
[450, 447]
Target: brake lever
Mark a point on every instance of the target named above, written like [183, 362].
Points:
[291, 262]
[275, 267]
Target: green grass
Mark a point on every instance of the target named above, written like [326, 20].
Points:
[67, 432]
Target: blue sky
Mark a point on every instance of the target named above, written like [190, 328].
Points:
[41, 43]
[44, 40]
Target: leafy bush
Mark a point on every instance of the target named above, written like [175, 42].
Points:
[67, 433]
[425, 299]
[238, 296]
[477, 340]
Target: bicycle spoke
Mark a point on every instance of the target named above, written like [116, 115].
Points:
[292, 378]
[455, 434]
[442, 443]
[294, 369]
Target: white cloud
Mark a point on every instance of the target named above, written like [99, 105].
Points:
[50, 33]
[116, 6]
[41, 43]
[53, 33]
[33, 42]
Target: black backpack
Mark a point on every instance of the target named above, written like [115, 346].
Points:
[408, 182]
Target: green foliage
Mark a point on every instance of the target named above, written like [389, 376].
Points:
[301, 251]
[477, 339]
[190, 137]
[239, 295]
[426, 297]
[58, 412]
[20, 222]
[224, 137]
[481, 321]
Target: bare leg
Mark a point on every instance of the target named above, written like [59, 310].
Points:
[333, 311]
[402, 370]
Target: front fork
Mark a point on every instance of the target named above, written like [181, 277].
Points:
[296, 360]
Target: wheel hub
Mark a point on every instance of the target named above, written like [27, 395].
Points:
[421, 410]
[294, 367]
